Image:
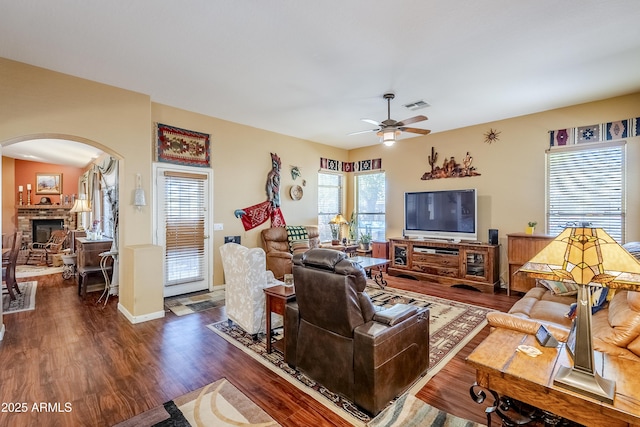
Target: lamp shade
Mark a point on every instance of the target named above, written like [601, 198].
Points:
[80, 205]
[388, 136]
[139, 198]
[586, 256]
[338, 219]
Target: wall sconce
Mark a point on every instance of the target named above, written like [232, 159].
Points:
[139, 199]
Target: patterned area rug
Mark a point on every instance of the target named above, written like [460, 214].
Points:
[217, 404]
[452, 326]
[35, 270]
[181, 306]
[25, 300]
[411, 411]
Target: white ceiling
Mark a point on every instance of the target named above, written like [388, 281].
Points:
[55, 151]
[313, 70]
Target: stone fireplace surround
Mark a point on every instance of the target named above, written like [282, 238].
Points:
[27, 213]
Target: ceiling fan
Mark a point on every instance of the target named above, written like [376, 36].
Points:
[389, 129]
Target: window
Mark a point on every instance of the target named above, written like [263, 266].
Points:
[370, 204]
[185, 213]
[586, 184]
[329, 201]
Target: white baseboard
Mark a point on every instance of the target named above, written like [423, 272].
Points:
[139, 319]
[2, 329]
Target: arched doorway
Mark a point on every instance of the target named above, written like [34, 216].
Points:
[97, 179]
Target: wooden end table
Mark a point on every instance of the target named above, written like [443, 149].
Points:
[277, 298]
[369, 263]
[504, 371]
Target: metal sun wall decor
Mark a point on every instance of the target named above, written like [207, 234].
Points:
[491, 136]
[450, 168]
[258, 214]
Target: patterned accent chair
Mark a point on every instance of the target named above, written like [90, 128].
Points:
[246, 277]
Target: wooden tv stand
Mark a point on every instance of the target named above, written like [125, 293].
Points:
[446, 263]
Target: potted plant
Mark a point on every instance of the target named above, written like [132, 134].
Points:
[531, 227]
[365, 241]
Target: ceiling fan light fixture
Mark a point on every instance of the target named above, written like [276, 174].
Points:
[388, 136]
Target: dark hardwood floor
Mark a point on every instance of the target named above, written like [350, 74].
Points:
[90, 367]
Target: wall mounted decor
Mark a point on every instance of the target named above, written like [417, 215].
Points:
[255, 215]
[359, 166]
[295, 172]
[609, 131]
[491, 136]
[182, 146]
[296, 192]
[450, 168]
[48, 183]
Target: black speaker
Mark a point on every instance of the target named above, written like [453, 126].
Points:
[493, 236]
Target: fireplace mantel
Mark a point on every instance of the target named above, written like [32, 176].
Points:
[45, 207]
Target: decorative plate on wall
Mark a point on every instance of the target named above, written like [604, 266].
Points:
[296, 192]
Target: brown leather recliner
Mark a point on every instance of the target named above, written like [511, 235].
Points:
[276, 245]
[335, 335]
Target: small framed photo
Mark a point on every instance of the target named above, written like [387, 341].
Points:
[48, 183]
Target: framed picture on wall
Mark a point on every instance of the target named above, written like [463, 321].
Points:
[48, 183]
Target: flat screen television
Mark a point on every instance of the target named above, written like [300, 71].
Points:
[447, 214]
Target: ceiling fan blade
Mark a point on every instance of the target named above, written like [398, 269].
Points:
[415, 130]
[373, 122]
[412, 120]
[364, 131]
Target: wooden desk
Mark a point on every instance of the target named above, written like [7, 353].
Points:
[277, 298]
[507, 372]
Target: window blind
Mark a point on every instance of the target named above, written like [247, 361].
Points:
[329, 201]
[586, 184]
[371, 204]
[184, 227]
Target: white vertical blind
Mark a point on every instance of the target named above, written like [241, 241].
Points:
[587, 184]
[184, 227]
[329, 201]
[371, 193]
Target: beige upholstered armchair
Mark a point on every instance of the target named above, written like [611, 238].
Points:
[246, 276]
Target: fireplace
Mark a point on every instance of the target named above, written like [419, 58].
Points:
[41, 229]
[27, 214]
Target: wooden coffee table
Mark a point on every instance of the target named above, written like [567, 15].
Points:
[277, 298]
[504, 371]
[369, 263]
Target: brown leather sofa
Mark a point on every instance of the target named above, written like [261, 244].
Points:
[276, 245]
[335, 335]
[615, 328]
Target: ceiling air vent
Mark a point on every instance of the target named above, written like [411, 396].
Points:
[416, 105]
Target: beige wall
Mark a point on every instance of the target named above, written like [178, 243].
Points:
[241, 159]
[37, 102]
[511, 188]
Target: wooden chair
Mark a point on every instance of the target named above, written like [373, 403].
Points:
[9, 269]
[41, 252]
